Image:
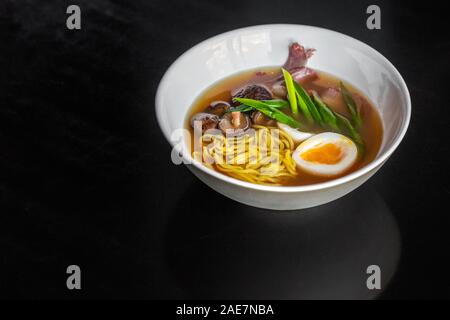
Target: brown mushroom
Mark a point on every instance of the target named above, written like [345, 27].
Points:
[218, 107]
[205, 120]
[253, 91]
[234, 123]
[261, 119]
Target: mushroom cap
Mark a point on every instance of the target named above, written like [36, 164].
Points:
[227, 127]
[253, 91]
[261, 119]
[207, 120]
[218, 107]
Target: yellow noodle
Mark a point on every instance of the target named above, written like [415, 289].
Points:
[262, 157]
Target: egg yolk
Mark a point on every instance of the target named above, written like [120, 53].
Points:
[325, 154]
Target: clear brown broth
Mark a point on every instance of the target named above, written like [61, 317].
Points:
[371, 130]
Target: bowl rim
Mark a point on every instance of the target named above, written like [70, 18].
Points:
[378, 161]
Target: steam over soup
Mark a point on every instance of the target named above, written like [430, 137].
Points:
[284, 126]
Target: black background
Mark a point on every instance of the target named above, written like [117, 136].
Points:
[86, 176]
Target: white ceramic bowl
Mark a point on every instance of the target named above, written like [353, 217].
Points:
[267, 45]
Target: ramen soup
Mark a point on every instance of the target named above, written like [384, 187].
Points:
[287, 126]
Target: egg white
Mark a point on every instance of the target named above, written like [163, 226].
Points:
[348, 157]
[296, 135]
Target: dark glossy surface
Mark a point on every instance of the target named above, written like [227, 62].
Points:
[86, 177]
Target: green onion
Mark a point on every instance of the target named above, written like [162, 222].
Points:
[241, 108]
[270, 111]
[339, 123]
[352, 106]
[307, 104]
[345, 125]
[277, 103]
[304, 108]
[290, 90]
[328, 117]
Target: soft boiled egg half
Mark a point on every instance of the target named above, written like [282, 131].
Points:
[326, 154]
